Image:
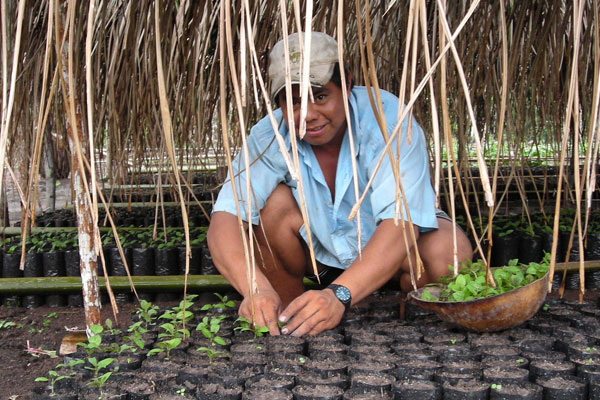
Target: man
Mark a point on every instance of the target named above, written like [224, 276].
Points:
[326, 167]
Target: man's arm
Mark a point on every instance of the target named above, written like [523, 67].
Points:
[316, 311]
[227, 250]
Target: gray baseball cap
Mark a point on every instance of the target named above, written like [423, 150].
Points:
[323, 56]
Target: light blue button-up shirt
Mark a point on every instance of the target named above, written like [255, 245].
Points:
[335, 238]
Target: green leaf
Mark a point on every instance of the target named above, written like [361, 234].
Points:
[219, 340]
[427, 296]
[205, 332]
[458, 296]
[96, 329]
[105, 363]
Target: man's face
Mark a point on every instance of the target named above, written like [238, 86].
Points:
[325, 118]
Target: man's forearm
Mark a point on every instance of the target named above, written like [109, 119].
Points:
[227, 251]
[381, 259]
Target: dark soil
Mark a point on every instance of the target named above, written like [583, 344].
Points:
[42, 330]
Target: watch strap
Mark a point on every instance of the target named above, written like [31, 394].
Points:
[342, 293]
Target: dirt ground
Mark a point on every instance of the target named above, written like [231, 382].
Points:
[41, 328]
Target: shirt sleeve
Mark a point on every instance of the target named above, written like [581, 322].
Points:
[413, 169]
[267, 170]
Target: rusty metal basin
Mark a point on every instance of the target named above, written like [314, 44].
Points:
[490, 314]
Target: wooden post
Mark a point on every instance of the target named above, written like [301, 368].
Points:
[80, 176]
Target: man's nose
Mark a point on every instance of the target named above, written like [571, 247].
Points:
[311, 111]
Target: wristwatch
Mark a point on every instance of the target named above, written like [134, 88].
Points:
[342, 293]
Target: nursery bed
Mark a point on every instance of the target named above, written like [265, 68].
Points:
[375, 320]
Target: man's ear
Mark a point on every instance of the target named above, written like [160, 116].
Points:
[349, 82]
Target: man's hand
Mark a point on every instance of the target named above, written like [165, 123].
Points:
[267, 306]
[311, 313]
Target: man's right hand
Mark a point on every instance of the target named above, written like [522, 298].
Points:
[267, 307]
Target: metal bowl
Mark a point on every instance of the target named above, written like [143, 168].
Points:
[489, 314]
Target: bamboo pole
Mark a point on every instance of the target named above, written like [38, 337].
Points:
[157, 284]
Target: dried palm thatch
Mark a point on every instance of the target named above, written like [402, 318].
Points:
[488, 81]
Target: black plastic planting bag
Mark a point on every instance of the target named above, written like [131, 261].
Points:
[10, 265]
[72, 259]
[72, 269]
[117, 267]
[10, 269]
[564, 241]
[33, 265]
[547, 245]
[505, 248]
[142, 264]
[33, 268]
[208, 267]
[195, 261]
[54, 265]
[142, 261]
[530, 249]
[166, 262]
[592, 251]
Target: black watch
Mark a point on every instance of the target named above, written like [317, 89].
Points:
[342, 293]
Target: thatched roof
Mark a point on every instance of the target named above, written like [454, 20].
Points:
[528, 48]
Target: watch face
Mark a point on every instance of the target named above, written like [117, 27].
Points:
[343, 294]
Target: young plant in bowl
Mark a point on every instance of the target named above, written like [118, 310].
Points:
[469, 283]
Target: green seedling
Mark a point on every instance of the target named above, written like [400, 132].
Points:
[470, 283]
[53, 377]
[99, 381]
[136, 331]
[247, 326]
[124, 348]
[110, 329]
[93, 344]
[212, 354]
[496, 386]
[70, 365]
[46, 322]
[180, 392]
[171, 331]
[224, 303]
[147, 312]
[165, 346]
[97, 366]
[4, 324]
[210, 328]
[177, 316]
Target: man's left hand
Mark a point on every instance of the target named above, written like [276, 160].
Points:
[311, 313]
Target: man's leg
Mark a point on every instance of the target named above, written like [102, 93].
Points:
[436, 249]
[281, 252]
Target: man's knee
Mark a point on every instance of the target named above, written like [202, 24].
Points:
[281, 210]
[438, 249]
[280, 244]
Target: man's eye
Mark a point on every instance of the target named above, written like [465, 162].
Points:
[320, 97]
